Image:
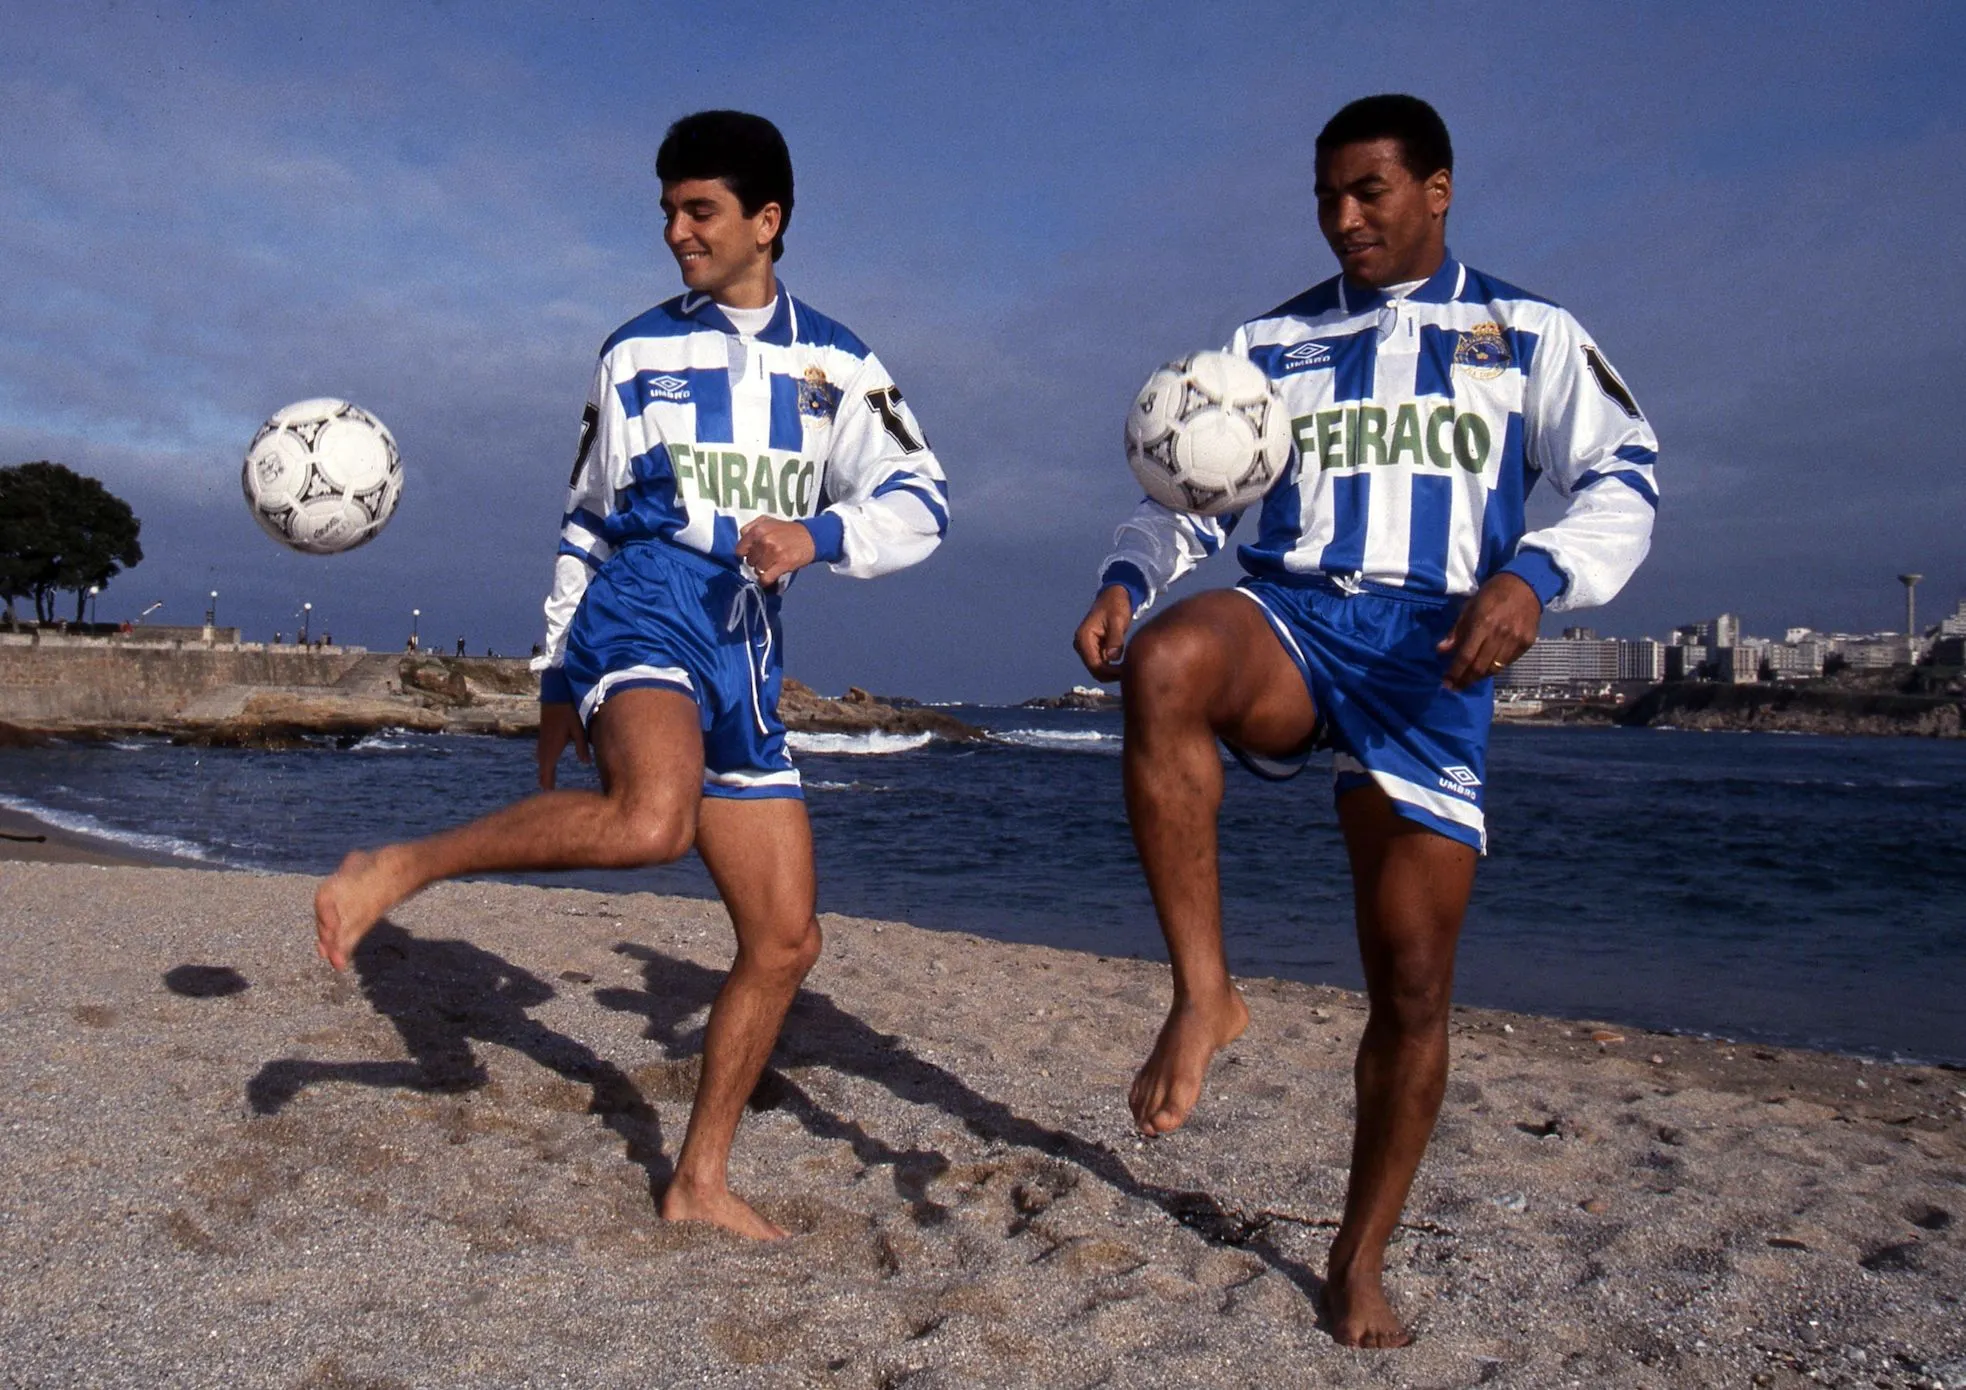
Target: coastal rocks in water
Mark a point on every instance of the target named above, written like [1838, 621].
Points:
[806, 711]
[13, 736]
[288, 719]
[468, 680]
[446, 695]
[1078, 697]
[1805, 707]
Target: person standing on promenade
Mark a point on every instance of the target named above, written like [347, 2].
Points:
[1389, 579]
[733, 437]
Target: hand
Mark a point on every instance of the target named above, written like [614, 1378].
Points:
[559, 725]
[774, 548]
[1495, 628]
[1101, 638]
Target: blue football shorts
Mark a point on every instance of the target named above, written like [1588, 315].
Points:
[1375, 678]
[663, 617]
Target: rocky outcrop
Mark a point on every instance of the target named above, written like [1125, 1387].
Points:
[805, 710]
[14, 736]
[1078, 697]
[1811, 707]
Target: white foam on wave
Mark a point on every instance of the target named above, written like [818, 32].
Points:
[80, 823]
[381, 742]
[1071, 740]
[872, 742]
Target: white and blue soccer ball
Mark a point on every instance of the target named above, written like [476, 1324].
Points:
[322, 476]
[1208, 434]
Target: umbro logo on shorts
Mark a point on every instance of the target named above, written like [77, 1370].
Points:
[1459, 780]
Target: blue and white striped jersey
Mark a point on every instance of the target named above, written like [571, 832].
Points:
[692, 430]
[1421, 425]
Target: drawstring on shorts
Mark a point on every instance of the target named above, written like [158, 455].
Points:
[749, 603]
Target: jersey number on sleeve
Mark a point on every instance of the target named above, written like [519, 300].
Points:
[1608, 383]
[886, 403]
[589, 418]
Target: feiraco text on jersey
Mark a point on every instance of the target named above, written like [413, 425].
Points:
[1357, 436]
[780, 484]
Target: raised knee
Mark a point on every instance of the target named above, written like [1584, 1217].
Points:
[791, 955]
[1166, 669]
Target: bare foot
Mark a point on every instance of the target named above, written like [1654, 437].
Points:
[1170, 1083]
[1356, 1307]
[351, 901]
[685, 1201]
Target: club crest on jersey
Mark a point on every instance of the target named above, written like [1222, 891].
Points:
[1482, 352]
[818, 397]
[1307, 355]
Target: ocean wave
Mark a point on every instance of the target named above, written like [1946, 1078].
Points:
[381, 741]
[822, 786]
[80, 823]
[1072, 740]
[871, 742]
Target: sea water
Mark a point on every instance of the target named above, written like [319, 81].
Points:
[1797, 890]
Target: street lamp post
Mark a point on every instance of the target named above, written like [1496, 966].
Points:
[415, 613]
[306, 617]
[211, 611]
[94, 589]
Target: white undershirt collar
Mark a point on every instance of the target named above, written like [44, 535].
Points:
[750, 322]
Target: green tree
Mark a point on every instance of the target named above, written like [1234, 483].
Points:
[60, 531]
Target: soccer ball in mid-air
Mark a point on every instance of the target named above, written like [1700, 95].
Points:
[1207, 434]
[322, 476]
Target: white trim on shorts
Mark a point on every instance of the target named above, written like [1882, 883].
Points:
[1282, 628]
[674, 676]
[752, 781]
[1434, 803]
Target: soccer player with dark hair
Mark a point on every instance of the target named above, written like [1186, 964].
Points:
[733, 436]
[1392, 574]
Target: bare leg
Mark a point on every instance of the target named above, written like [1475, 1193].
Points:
[650, 746]
[1209, 667]
[1410, 887]
[760, 854]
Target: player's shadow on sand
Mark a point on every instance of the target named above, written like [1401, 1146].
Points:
[819, 1033]
[443, 996]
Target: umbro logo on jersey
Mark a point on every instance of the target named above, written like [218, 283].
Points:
[665, 388]
[1307, 355]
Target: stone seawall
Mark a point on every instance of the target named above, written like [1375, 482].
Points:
[251, 695]
[107, 682]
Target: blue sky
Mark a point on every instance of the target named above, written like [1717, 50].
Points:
[439, 210]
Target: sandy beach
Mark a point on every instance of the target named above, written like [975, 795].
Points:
[28, 838]
[222, 1164]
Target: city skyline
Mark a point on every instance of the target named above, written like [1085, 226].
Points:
[219, 212]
